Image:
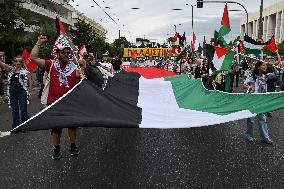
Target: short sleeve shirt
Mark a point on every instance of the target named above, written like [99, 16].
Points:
[55, 89]
[258, 85]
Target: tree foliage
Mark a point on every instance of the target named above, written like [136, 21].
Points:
[281, 48]
[13, 20]
[86, 35]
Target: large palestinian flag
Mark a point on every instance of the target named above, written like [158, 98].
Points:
[131, 101]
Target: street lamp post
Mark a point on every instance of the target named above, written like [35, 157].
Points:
[231, 2]
[192, 17]
[260, 27]
[192, 20]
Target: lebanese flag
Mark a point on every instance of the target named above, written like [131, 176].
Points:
[83, 51]
[30, 66]
[223, 58]
[132, 101]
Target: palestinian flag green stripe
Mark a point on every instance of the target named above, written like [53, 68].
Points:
[190, 94]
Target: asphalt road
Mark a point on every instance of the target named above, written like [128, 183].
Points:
[209, 157]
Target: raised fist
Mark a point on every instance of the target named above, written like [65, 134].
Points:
[41, 39]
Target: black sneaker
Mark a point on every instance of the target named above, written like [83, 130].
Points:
[267, 141]
[74, 151]
[56, 154]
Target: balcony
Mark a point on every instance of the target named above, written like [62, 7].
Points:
[47, 13]
[63, 4]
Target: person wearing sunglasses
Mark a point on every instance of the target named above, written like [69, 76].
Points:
[19, 89]
[63, 73]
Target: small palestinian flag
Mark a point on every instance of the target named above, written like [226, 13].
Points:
[223, 58]
[252, 46]
[226, 27]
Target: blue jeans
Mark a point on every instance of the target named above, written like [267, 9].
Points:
[18, 100]
[262, 127]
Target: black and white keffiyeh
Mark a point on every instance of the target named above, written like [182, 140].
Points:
[63, 74]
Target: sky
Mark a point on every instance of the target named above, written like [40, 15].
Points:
[155, 19]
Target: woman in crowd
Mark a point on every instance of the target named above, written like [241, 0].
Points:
[19, 89]
[256, 83]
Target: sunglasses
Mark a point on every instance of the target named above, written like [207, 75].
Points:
[64, 53]
[21, 61]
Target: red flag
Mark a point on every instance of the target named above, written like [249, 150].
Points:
[225, 19]
[241, 47]
[183, 37]
[28, 63]
[193, 41]
[174, 39]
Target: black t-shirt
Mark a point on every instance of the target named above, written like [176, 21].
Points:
[116, 64]
[198, 72]
[15, 81]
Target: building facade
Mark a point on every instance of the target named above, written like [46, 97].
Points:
[273, 23]
[48, 10]
[99, 30]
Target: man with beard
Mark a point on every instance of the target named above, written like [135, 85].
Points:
[63, 74]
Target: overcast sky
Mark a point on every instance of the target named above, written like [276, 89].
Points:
[155, 19]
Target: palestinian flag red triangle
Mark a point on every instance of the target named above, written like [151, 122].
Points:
[271, 45]
[220, 51]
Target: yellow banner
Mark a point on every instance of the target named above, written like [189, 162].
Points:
[144, 52]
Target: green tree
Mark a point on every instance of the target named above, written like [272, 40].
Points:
[281, 48]
[13, 20]
[122, 42]
[83, 35]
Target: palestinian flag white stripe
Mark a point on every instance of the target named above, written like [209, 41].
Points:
[252, 46]
[160, 108]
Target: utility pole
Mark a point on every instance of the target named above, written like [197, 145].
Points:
[192, 17]
[260, 22]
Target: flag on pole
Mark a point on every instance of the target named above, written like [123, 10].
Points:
[255, 47]
[59, 26]
[83, 51]
[223, 58]
[193, 41]
[63, 40]
[226, 27]
[30, 66]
